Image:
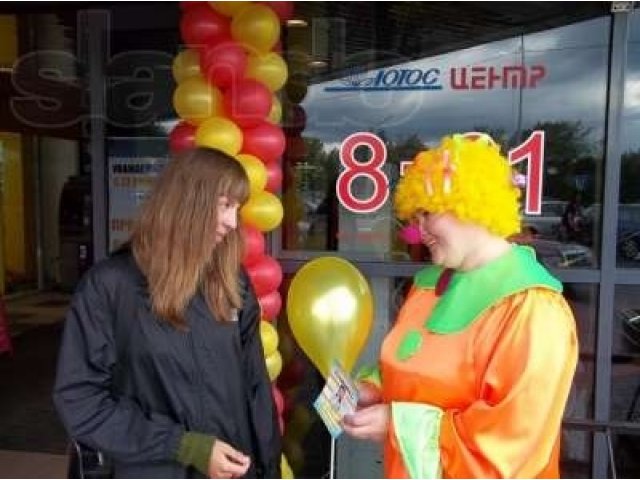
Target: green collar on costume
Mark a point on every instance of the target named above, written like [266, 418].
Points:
[471, 293]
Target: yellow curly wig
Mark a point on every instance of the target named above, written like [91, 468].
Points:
[467, 177]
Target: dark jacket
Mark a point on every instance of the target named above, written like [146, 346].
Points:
[130, 384]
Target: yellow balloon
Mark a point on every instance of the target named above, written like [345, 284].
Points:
[275, 115]
[330, 310]
[195, 100]
[256, 26]
[270, 69]
[256, 171]
[274, 365]
[229, 8]
[285, 469]
[263, 211]
[186, 65]
[269, 338]
[220, 133]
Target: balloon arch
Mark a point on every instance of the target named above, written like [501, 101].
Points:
[230, 76]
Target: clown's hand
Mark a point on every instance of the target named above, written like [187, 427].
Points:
[369, 423]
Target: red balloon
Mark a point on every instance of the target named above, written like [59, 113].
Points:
[294, 119]
[253, 245]
[278, 399]
[284, 10]
[270, 304]
[266, 141]
[182, 137]
[224, 63]
[265, 275]
[187, 5]
[247, 102]
[274, 177]
[202, 25]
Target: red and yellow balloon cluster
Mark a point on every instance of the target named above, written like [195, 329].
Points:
[228, 78]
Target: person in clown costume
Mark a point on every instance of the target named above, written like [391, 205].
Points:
[474, 376]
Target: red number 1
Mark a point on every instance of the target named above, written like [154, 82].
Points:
[532, 150]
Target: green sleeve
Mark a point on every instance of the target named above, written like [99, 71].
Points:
[371, 374]
[195, 451]
[417, 429]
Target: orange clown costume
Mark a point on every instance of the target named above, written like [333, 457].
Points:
[478, 366]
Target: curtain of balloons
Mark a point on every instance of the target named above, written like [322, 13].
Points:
[228, 80]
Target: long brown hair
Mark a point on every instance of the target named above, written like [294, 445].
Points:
[173, 240]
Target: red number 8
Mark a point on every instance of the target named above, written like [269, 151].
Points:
[370, 169]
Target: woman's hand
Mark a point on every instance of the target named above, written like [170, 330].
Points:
[368, 423]
[227, 462]
[368, 394]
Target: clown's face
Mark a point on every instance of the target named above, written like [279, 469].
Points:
[446, 237]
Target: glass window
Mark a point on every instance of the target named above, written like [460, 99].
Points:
[626, 454]
[625, 381]
[576, 453]
[628, 247]
[554, 80]
[139, 79]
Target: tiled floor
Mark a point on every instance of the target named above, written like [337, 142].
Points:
[14, 464]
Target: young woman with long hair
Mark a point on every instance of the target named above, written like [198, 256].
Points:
[161, 365]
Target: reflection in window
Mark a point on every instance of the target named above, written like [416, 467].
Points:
[625, 383]
[567, 100]
[628, 247]
[576, 454]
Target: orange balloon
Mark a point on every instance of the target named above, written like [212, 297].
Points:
[256, 171]
[263, 211]
[220, 133]
[229, 8]
[195, 100]
[186, 65]
[256, 26]
[270, 69]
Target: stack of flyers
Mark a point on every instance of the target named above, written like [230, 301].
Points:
[338, 398]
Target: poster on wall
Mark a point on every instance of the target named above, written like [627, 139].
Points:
[134, 163]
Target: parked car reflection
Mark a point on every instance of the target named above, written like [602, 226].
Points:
[555, 254]
[628, 244]
[547, 224]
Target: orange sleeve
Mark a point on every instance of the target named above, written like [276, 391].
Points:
[529, 356]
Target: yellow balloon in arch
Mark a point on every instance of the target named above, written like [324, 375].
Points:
[229, 8]
[255, 170]
[186, 65]
[195, 100]
[263, 211]
[269, 338]
[285, 469]
[270, 69]
[219, 133]
[257, 27]
[274, 365]
[330, 310]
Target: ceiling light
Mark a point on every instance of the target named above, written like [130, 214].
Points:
[318, 64]
[297, 23]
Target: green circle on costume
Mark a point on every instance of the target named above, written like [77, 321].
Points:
[409, 346]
